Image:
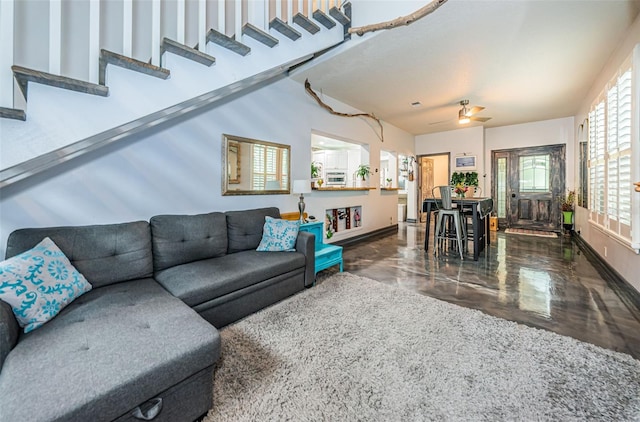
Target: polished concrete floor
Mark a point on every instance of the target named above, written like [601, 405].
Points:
[541, 282]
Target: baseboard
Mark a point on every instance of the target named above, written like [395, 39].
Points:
[627, 293]
[368, 236]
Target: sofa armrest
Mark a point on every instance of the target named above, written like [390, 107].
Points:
[9, 331]
[306, 243]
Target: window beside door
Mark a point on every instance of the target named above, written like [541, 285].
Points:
[501, 187]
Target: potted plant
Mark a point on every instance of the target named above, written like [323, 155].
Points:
[460, 189]
[471, 180]
[389, 180]
[315, 172]
[315, 169]
[566, 205]
[458, 179]
[363, 171]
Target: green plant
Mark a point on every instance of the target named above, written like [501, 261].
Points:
[471, 178]
[568, 201]
[315, 170]
[363, 171]
[457, 179]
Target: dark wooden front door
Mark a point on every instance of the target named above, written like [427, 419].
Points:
[527, 183]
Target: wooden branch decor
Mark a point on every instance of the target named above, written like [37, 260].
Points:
[401, 21]
[310, 91]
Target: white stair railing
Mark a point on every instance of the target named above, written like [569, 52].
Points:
[74, 32]
[6, 57]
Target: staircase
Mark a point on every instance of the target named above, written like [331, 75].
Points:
[82, 75]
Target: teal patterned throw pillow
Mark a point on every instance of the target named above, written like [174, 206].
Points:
[39, 283]
[279, 235]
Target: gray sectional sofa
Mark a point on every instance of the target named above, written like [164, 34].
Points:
[142, 344]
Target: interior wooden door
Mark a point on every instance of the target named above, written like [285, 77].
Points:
[526, 186]
[426, 181]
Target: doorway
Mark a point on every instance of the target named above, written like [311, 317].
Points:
[526, 184]
[433, 171]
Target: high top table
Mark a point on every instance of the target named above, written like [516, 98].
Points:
[481, 208]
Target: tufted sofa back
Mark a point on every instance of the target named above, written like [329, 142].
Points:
[180, 239]
[104, 254]
[245, 227]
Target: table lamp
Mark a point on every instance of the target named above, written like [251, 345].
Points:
[301, 187]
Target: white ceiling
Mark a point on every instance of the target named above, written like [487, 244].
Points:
[523, 60]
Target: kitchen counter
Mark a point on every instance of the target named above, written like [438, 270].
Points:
[341, 189]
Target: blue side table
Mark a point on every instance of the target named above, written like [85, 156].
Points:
[326, 255]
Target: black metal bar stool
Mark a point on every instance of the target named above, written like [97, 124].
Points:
[446, 230]
[467, 211]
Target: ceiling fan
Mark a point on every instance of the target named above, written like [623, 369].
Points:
[466, 114]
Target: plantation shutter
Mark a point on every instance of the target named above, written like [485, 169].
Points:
[611, 144]
[259, 167]
[624, 115]
[268, 168]
[285, 170]
[597, 161]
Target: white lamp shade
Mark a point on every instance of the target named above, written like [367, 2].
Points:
[301, 186]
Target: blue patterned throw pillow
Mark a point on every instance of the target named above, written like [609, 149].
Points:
[38, 283]
[279, 235]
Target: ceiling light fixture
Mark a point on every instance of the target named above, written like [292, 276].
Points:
[464, 113]
[462, 116]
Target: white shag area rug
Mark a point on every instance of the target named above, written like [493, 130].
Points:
[354, 349]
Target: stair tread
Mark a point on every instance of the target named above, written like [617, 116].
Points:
[339, 16]
[324, 19]
[13, 113]
[109, 57]
[227, 42]
[284, 28]
[306, 23]
[186, 51]
[259, 35]
[24, 75]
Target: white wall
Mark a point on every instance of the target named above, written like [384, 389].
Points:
[469, 141]
[177, 169]
[366, 12]
[547, 132]
[624, 260]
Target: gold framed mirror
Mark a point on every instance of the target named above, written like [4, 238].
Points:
[255, 167]
[233, 162]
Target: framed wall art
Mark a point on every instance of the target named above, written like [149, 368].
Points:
[466, 162]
